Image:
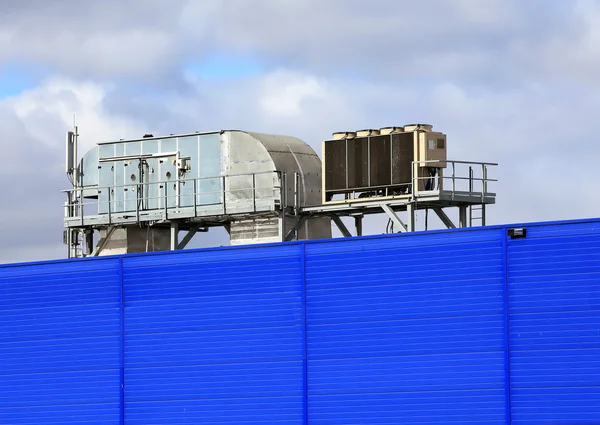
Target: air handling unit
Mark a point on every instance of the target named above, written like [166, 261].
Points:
[137, 195]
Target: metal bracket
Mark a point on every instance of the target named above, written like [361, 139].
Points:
[340, 224]
[293, 233]
[102, 242]
[394, 217]
[445, 219]
[190, 234]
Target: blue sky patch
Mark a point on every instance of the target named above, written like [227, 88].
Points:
[15, 79]
[218, 67]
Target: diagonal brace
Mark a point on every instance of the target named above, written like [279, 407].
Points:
[190, 234]
[340, 224]
[102, 242]
[292, 234]
[445, 219]
[394, 217]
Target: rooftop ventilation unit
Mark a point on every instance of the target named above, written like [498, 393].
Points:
[383, 162]
[252, 183]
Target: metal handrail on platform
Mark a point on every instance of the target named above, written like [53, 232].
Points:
[236, 193]
[476, 178]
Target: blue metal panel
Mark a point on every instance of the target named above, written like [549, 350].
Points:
[554, 277]
[59, 343]
[407, 329]
[378, 330]
[214, 337]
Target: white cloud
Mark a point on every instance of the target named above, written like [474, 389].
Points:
[47, 112]
[284, 94]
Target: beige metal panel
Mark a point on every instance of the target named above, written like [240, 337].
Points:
[415, 127]
[432, 147]
[344, 135]
[367, 132]
[389, 130]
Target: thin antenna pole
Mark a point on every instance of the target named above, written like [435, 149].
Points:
[75, 155]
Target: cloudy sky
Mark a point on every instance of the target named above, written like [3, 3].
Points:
[509, 81]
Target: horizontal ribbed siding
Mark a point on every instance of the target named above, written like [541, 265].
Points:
[402, 329]
[214, 338]
[406, 330]
[554, 281]
[60, 343]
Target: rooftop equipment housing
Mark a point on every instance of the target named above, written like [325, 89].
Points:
[138, 194]
[251, 183]
[383, 162]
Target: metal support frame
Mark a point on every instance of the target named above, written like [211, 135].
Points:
[410, 209]
[462, 214]
[174, 236]
[358, 222]
[340, 225]
[445, 219]
[395, 219]
[292, 235]
[103, 241]
[89, 241]
[78, 226]
[190, 235]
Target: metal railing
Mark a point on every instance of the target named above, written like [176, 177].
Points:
[221, 195]
[466, 177]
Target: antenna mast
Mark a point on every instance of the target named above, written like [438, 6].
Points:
[72, 169]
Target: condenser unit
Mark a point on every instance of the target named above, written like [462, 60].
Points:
[385, 162]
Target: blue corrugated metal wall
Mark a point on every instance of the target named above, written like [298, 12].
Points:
[59, 343]
[214, 338]
[407, 330]
[463, 326]
[554, 280]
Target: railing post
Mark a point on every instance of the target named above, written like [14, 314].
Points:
[412, 179]
[109, 206]
[470, 180]
[166, 200]
[81, 207]
[195, 198]
[484, 181]
[284, 190]
[224, 195]
[254, 191]
[453, 178]
[137, 203]
[296, 194]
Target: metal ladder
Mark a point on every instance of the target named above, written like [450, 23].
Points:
[474, 218]
[475, 208]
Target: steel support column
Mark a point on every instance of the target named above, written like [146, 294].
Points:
[410, 209]
[358, 222]
[174, 236]
[462, 211]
